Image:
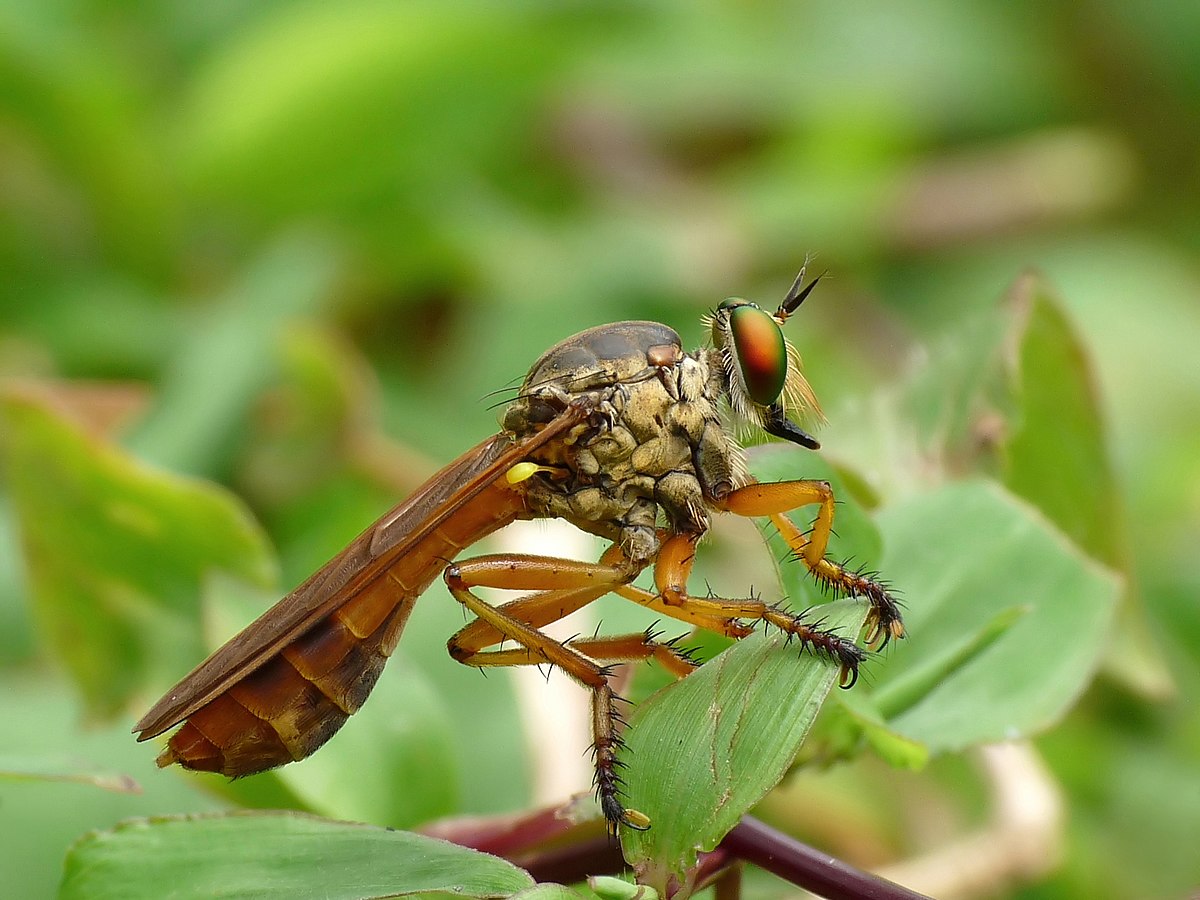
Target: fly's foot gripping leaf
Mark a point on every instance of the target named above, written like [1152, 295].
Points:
[884, 621]
[821, 641]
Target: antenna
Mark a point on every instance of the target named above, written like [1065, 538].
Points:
[796, 295]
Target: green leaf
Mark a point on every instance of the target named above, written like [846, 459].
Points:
[1006, 619]
[705, 750]
[923, 677]
[1057, 456]
[284, 855]
[608, 887]
[116, 552]
[548, 892]
[1013, 394]
[852, 715]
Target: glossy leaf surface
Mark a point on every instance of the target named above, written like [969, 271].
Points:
[284, 855]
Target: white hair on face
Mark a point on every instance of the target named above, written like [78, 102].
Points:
[798, 398]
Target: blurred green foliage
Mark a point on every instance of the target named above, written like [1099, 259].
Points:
[245, 241]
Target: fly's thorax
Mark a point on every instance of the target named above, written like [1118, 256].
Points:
[587, 366]
[605, 355]
[654, 452]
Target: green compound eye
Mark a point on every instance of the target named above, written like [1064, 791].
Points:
[760, 349]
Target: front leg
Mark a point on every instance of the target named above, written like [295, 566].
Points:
[772, 500]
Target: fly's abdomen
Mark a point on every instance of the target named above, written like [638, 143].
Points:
[298, 700]
[295, 701]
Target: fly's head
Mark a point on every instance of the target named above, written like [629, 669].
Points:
[762, 368]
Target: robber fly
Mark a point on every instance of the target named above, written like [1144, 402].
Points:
[618, 431]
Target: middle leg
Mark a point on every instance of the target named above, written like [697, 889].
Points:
[672, 571]
[773, 499]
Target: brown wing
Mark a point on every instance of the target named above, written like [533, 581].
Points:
[397, 539]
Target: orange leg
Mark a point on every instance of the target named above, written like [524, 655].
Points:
[773, 500]
[562, 586]
[623, 648]
[559, 587]
[671, 573]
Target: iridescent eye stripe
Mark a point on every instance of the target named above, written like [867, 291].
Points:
[761, 353]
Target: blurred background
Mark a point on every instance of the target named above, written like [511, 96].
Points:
[291, 247]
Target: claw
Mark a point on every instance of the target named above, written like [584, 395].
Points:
[881, 631]
[874, 632]
[616, 815]
[848, 676]
[635, 819]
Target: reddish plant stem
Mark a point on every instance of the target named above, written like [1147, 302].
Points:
[807, 867]
[579, 856]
